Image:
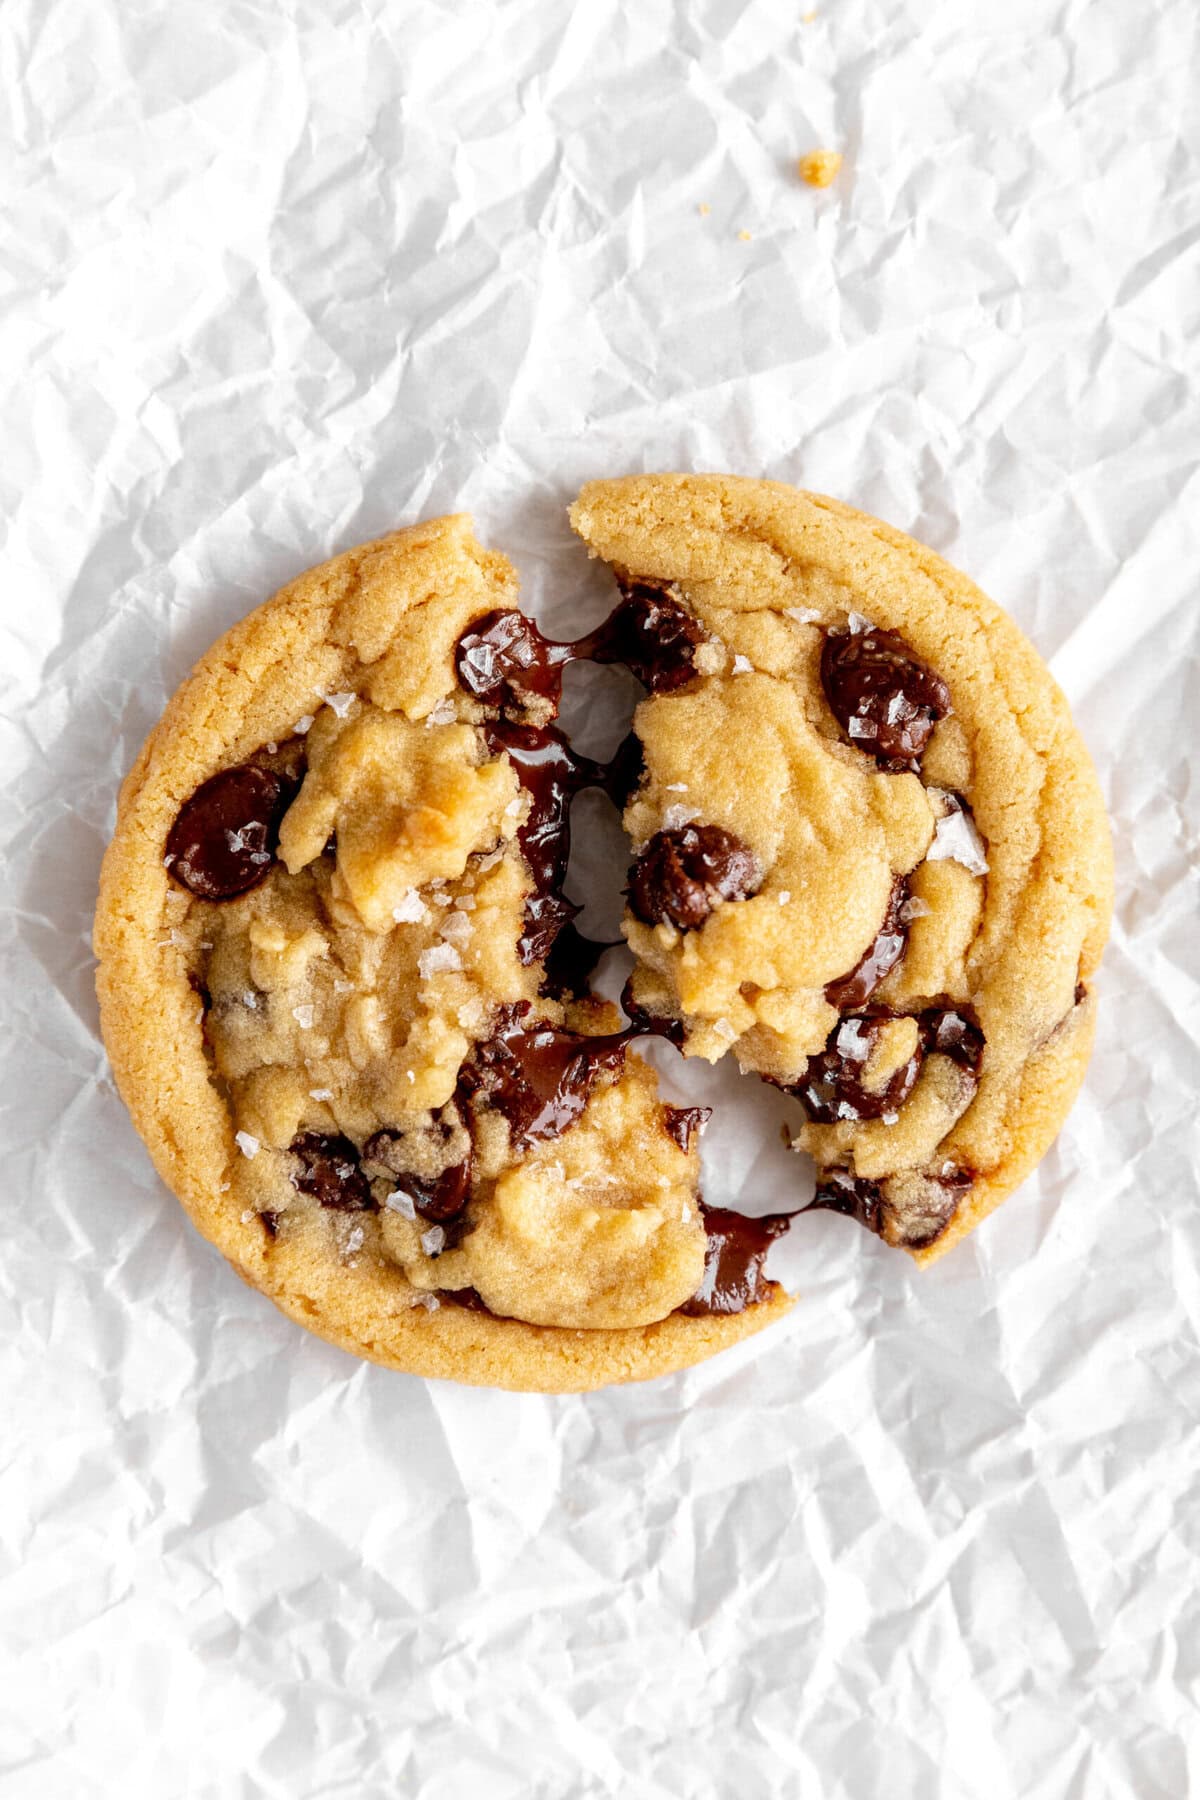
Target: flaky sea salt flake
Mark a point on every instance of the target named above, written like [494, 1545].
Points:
[320, 1093]
[858, 623]
[437, 958]
[411, 909]
[853, 1041]
[341, 703]
[803, 615]
[955, 839]
[456, 928]
[303, 1016]
[742, 665]
[248, 1145]
[443, 713]
[433, 1241]
[402, 1203]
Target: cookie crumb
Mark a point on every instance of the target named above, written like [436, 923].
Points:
[819, 167]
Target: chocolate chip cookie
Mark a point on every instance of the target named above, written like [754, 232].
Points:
[346, 1001]
[340, 989]
[871, 859]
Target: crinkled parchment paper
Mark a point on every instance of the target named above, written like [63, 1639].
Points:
[280, 275]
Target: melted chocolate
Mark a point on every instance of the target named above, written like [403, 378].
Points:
[683, 1122]
[733, 1263]
[570, 962]
[507, 663]
[954, 1031]
[223, 840]
[681, 875]
[551, 774]
[832, 1087]
[883, 696]
[855, 1197]
[540, 1078]
[851, 1195]
[652, 633]
[330, 1171]
[648, 1024]
[851, 991]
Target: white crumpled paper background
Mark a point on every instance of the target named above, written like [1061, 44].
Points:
[278, 277]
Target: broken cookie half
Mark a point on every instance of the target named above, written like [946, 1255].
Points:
[346, 1002]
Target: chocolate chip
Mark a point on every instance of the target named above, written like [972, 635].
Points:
[832, 1088]
[733, 1263]
[329, 1171]
[681, 875]
[1080, 993]
[537, 1077]
[851, 1195]
[883, 696]
[223, 840]
[467, 1298]
[436, 1197]
[851, 991]
[683, 1122]
[909, 1212]
[652, 633]
[954, 1031]
[506, 662]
